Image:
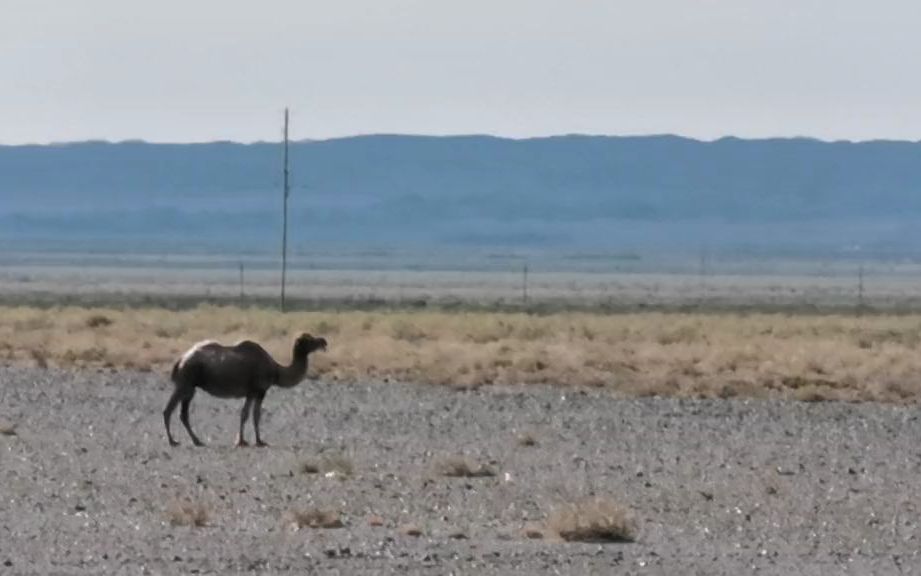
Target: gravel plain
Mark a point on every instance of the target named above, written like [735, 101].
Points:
[88, 484]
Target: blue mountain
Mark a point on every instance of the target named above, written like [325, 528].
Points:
[545, 193]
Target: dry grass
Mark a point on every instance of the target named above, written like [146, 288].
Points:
[829, 357]
[592, 520]
[188, 513]
[312, 518]
[463, 467]
[98, 321]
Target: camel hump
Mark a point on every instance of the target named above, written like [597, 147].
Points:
[191, 352]
[251, 350]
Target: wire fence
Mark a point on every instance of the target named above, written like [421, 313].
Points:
[532, 281]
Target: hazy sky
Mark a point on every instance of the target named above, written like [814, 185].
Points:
[197, 70]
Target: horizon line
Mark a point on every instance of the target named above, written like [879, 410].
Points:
[584, 135]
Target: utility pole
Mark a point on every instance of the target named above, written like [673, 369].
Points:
[524, 283]
[702, 269]
[284, 229]
[242, 291]
[860, 300]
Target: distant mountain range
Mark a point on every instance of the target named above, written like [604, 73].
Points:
[561, 193]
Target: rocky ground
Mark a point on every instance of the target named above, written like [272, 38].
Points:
[88, 484]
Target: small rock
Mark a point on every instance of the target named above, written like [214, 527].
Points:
[410, 530]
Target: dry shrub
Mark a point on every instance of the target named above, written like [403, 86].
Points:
[405, 331]
[188, 513]
[901, 390]
[93, 355]
[526, 439]
[678, 335]
[39, 357]
[533, 531]
[98, 321]
[592, 520]
[463, 467]
[312, 518]
[813, 393]
[327, 327]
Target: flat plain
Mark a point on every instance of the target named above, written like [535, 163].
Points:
[634, 424]
[88, 484]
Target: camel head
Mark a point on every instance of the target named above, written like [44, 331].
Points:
[305, 344]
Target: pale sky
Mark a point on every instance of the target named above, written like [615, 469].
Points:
[201, 70]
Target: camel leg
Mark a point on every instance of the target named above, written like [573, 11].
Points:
[168, 414]
[257, 415]
[184, 416]
[244, 415]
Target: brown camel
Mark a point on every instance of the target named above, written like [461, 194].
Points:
[244, 370]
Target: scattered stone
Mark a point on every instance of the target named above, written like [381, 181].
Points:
[410, 530]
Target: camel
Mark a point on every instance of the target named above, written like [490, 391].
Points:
[244, 370]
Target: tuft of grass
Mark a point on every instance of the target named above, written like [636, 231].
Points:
[533, 531]
[463, 467]
[98, 321]
[592, 520]
[812, 393]
[313, 518]
[188, 513]
[39, 357]
[526, 439]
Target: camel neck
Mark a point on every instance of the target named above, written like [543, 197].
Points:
[293, 374]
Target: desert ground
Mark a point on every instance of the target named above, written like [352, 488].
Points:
[88, 484]
[637, 423]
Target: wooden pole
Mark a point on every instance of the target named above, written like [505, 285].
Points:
[242, 289]
[860, 300]
[524, 283]
[284, 229]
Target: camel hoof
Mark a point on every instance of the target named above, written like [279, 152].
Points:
[173, 443]
[198, 443]
[242, 444]
[261, 444]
